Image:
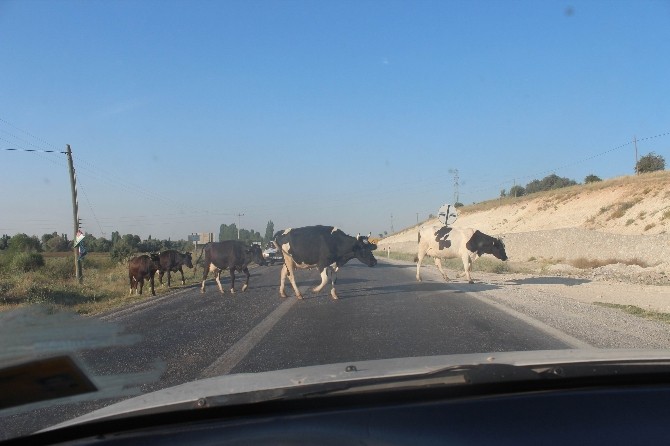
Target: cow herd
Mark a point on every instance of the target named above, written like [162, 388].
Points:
[325, 248]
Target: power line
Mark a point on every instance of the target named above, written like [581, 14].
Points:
[31, 150]
[27, 133]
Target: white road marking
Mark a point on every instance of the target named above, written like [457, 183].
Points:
[238, 351]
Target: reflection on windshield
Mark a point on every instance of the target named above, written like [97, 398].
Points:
[387, 182]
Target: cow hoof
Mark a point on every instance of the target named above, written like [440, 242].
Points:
[299, 296]
[183, 282]
[232, 291]
[283, 295]
[471, 281]
[333, 295]
[244, 288]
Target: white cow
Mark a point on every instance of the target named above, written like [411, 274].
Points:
[442, 242]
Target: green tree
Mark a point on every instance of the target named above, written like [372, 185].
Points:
[549, 182]
[650, 163]
[592, 179]
[4, 241]
[24, 243]
[269, 231]
[122, 251]
[57, 244]
[517, 191]
[227, 232]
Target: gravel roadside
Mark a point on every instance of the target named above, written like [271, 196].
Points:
[568, 304]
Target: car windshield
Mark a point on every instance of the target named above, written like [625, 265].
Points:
[196, 190]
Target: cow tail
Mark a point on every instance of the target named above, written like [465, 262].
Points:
[195, 265]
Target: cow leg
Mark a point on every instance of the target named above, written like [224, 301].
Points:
[232, 280]
[420, 255]
[130, 279]
[324, 280]
[246, 284]
[151, 282]
[168, 274]
[291, 276]
[438, 263]
[160, 278]
[183, 282]
[282, 280]
[218, 281]
[467, 266]
[205, 273]
[333, 279]
[141, 282]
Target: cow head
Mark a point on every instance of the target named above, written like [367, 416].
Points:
[155, 257]
[188, 260]
[498, 249]
[481, 244]
[363, 250]
[256, 254]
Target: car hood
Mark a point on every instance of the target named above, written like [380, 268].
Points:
[256, 387]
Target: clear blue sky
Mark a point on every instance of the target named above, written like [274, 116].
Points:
[183, 114]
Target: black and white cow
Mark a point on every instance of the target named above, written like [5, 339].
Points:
[173, 261]
[441, 242]
[231, 255]
[325, 248]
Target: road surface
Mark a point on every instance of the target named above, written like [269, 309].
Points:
[382, 313]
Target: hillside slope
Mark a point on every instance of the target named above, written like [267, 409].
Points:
[624, 218]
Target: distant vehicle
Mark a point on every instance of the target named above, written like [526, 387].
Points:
[272, 255]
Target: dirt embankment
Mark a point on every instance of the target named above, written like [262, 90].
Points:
[624, 222]
[624, 218]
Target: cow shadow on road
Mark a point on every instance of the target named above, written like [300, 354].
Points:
[381, 265]
[549, 280]
[417, 289]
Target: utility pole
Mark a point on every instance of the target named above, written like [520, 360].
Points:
[239, 222]
[392, 231]
[636, 160]
[455, 173]
[75, 212]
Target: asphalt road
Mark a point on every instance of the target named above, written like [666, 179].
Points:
[382, 313]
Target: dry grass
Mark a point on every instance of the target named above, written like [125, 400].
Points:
[104, 286]
[644, 182]
[637, 311]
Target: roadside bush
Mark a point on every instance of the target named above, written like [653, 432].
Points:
[25, 261]
[60, 269]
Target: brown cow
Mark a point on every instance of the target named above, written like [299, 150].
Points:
[142, 267]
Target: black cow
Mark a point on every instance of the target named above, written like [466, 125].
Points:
[320, 247]
[231, 255]
[141, 267]
[172, 261]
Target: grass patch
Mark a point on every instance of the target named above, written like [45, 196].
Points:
[621, 209]
[649, 226]
[104, 287]
[637, 311]
[665, 215]
[630, 221]
[584, 263]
